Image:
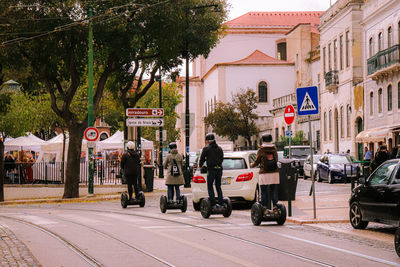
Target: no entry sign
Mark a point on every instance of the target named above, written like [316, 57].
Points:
[289, 114]
[91, 134]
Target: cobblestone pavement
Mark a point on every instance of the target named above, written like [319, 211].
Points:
[13, 252]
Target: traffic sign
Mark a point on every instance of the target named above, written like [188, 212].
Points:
[289, 133]
[91, 134]
[144, 112]
[307, 100]
[289, 114]
[132, 122]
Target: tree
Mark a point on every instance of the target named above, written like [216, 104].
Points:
[236, 118]
[47, 42]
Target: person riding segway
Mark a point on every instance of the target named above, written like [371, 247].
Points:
[173, 165]
[213, 155]
[130, 164]
[267, 158]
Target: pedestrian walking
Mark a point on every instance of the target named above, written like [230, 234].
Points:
[213, 155]
[394, 152]
[173, 164]
[130, 164]
[267, 158]
[367, 154]
[381, 156]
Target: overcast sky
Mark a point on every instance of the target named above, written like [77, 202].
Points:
[240, 7]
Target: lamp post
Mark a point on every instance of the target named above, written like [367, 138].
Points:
[160, 164]
[90, 99]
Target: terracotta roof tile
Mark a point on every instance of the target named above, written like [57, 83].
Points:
[257, 57]
[265, 19]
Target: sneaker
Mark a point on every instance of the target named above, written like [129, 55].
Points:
[276, 210]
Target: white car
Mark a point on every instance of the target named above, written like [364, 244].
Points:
[307, 165]
[239, 181]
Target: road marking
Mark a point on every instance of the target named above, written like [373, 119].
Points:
[36, 220]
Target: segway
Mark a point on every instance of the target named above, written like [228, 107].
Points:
[259, 213]
[173, 205]
[139, 200]
[206, 209]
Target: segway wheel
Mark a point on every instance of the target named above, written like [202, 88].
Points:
[142, 199]
[163, 204]
[228, 207]
[256, 213]
[124, 200]
[397, 241]
[184, 203]
[205, 208]
[282, 217]
[196, 206]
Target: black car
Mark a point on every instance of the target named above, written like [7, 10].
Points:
[377, 199]
[336, 167]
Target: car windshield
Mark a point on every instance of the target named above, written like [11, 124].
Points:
[300, 152]
[316, 158]
[234, 164]
[336, 159]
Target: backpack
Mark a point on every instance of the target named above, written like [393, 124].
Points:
[269, 162]
[175, 169]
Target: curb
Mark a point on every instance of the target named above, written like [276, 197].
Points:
[315, 221]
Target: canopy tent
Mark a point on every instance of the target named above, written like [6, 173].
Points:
[29, 142]
[373, 135]
[114, 142]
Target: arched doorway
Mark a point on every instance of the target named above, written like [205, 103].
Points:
[336, 130]
[360, 128]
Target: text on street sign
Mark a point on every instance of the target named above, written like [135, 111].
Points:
[156, 122]
[145, 112]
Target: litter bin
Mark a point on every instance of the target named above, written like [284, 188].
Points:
[288, 173]
[188, 175]
[149, 178]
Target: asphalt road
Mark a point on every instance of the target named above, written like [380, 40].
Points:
[104, 234]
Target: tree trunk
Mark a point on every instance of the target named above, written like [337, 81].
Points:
[2, 171]
[63, 157]
[71, 187]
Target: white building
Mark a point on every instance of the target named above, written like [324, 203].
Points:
[381, 61]
[252, 54]
[341, 91]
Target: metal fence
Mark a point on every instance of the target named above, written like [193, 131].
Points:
[353, 175]
[105, 172]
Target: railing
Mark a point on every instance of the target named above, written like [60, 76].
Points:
[363, 170]
[384, 59]
[105, 172]
[283, 101]
[332, 78]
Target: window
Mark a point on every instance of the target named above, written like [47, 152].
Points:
[262, 92]
[347, 49]
[382, 174]
[335, 54]
[398, 95]
[276, 134]
[329, 58]
[325, 135]
[380, 100]
[371, 104]
[234, 164]
[330, 124]
[341, 51]
[389, 96]
[390, 37]
[380, 41]
[341, 123]
[282, 51]
[348, 119]
[371, 47]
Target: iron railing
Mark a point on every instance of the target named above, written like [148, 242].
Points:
[332, 78]
[384, 59]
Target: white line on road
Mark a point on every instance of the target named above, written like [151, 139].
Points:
[36, 220]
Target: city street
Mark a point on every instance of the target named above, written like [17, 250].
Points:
[104, 234]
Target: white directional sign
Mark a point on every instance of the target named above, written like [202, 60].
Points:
[132, 122]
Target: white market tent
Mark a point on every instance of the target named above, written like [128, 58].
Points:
[29, 142]
[114, 142]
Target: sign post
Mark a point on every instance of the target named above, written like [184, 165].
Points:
[91, 135]
[307, 104]
[289, 118]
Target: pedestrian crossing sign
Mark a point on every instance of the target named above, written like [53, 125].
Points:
[307, 100]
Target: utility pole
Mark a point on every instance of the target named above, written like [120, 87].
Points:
[187, 123]
[90, 96]
[161, 170]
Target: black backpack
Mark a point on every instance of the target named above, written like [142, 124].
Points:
[269, 165]
[175, 169]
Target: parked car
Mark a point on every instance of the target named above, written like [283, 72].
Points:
[376, 199]
[307, 165]
[331, 167]
[239, 181]
[299, 154]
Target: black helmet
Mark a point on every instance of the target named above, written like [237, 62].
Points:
[210, 137]
[172, 146]
[267, 138]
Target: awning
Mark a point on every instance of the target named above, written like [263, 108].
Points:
[374, 135]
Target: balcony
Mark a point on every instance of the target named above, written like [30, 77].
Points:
[332, 81]
[283, 101]
[384, 64]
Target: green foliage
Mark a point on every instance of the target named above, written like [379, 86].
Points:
[298, 139]
[170, 99]
[236, 118]
[111, 111]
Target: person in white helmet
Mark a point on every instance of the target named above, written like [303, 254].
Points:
[130, 163]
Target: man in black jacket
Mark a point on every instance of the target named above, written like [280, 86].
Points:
[214, 156]
[130, 163]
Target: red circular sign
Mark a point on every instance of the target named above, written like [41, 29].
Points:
[289, 114]
[91, 134]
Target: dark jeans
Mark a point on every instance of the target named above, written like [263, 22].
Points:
[271, 190]
[214, 176]
[171, 192]
[132, 180]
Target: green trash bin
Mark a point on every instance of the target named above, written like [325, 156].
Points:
[149, 178]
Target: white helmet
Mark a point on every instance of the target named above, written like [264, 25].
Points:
[130, 145]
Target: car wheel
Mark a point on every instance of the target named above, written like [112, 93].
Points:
[397, 242]
[330, 178]
[356, 217]
[196, 206]
[318, 176]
